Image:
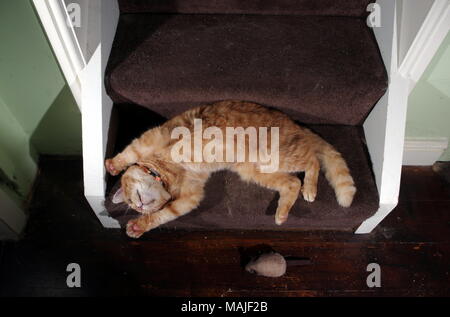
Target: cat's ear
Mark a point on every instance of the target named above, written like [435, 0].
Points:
[118, 197]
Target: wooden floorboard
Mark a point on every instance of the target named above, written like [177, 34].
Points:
[412, 246]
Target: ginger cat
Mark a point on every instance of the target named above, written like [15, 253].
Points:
[162, 189]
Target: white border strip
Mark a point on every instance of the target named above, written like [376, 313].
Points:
[369, 224]
[385, 126]
[97, 107]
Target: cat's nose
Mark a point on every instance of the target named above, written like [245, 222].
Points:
[139, 204]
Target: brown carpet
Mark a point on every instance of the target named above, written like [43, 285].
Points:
[319, 70]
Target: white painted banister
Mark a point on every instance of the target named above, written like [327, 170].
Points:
[427, 41]
[60, 33]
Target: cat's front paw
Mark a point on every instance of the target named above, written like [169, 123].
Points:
[109, 165]
[309, 193]
[136, 228]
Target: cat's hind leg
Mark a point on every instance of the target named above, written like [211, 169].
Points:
[309, 189]
[287, 185]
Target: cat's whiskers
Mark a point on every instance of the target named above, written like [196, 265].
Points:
[126, 211]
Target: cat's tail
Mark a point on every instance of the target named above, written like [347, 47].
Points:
[337, 174]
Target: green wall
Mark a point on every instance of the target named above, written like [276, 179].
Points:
[38, 114]
[429, 102]
[17, 156]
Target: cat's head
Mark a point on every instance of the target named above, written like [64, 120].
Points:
[142, 189]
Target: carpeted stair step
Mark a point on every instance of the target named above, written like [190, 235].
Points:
[233, 204]
[319, 70]
[274, 7]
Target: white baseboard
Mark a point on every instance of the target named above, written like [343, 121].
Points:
[423, 151]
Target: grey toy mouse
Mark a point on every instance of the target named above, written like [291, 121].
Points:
[273, 264]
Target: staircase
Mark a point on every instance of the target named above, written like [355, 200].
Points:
[317, 61]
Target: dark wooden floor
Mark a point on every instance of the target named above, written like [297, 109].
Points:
[412, 246]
